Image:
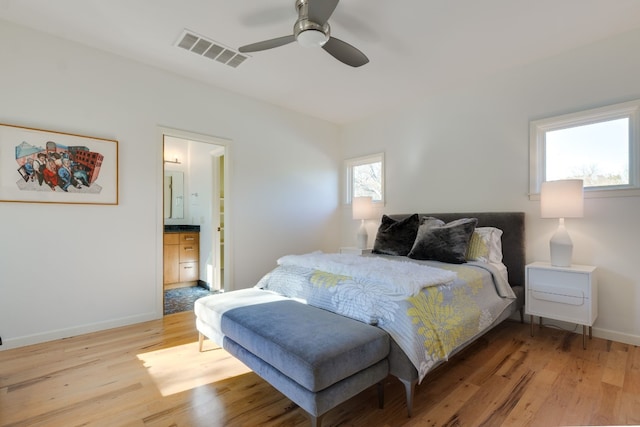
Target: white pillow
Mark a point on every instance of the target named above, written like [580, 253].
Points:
[485, 245]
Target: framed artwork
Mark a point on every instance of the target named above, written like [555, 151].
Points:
[43, 166]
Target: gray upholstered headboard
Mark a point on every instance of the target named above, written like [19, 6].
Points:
[513, 236]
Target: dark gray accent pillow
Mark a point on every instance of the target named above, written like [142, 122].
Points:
[446, 243]
[430, 221]
[396, 237]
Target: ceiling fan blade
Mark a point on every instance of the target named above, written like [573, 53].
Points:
[344, 52]
[268, 44]
[321, 10]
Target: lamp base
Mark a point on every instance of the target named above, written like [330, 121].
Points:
[362, 236]
[561, 247]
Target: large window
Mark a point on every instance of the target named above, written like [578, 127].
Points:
[599, 146]
[365, 177]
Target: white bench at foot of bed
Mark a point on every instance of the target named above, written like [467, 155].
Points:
[316, 358]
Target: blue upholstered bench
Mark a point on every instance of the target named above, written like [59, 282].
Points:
[316, 358]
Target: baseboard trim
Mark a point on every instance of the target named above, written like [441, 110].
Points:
[616, 336]
[10, 343]
[605, 334]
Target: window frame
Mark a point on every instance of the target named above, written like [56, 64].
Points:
[349, 164]
[537, 147]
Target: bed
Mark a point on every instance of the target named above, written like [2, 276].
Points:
[513, 258]
[435, 283]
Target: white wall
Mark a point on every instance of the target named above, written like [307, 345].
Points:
[283, 178]
[463, 149]
[467, 150]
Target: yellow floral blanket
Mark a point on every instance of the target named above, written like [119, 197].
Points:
[428, 326]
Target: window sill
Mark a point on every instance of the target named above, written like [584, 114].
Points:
[601, 194]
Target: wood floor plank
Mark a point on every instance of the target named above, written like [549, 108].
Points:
[629, 410]
[632, 371]
[607, 407]
[532, 400]
[446, 410]
[152, 374]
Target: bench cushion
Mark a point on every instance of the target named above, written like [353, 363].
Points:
[315, 403]
[313, 347]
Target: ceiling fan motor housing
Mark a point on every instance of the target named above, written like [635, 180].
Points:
[307, 32]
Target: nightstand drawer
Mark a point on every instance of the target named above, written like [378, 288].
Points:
[557, 294]
[558, 279]
[569, 308]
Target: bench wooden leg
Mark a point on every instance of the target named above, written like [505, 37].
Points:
[200, 341]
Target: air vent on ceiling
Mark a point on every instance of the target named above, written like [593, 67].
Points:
[210, 49]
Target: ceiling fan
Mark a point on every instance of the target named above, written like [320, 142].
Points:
[312, 30]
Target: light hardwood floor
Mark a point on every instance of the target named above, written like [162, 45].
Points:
[152, 374]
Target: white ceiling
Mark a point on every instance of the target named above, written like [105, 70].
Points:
[415, 47]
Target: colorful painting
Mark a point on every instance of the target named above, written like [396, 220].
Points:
[43, 166]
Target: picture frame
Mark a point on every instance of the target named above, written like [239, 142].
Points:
[45, 166]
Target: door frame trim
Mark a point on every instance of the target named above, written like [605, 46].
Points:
[198, 137]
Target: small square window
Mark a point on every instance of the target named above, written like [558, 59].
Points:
[365, 177]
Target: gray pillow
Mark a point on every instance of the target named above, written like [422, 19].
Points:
[396, 237]
[446, 243]
[429, 222]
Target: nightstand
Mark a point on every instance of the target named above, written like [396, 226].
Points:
[569, 294]
[354, 251]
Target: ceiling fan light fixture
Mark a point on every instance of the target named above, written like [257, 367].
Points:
[312, 29]
[310, 34]
[312, 38]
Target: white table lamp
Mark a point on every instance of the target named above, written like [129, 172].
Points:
[561, 199]
[362, 209]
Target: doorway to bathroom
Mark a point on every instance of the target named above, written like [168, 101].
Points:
[195, 218]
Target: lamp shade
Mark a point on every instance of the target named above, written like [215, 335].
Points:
[562, 199]
[362, 207]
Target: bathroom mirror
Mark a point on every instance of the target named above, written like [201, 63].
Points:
[173, 194]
